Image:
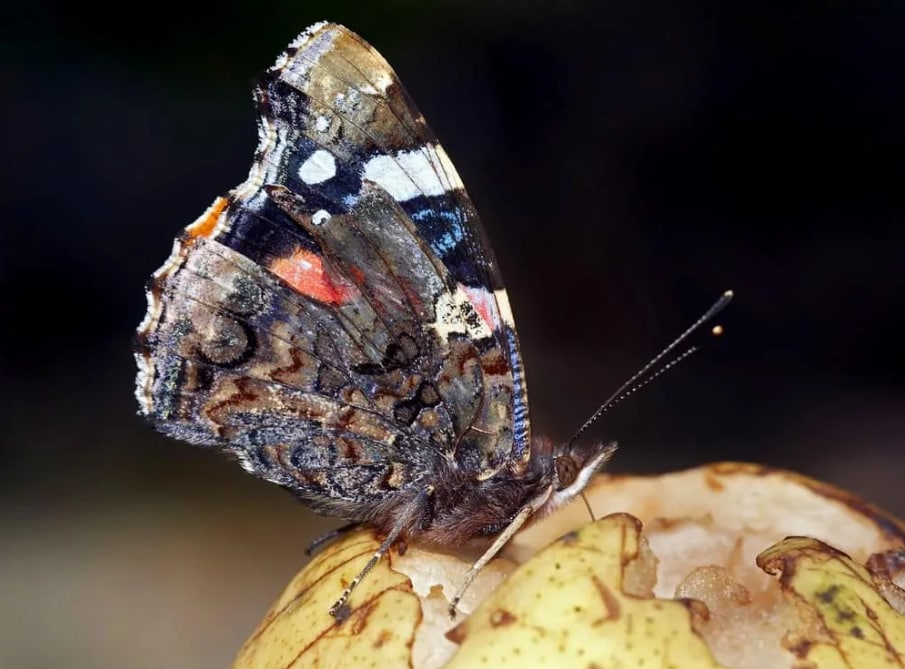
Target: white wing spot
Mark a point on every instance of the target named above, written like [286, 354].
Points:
[408, 174]
[320, 217]
[321, 123]
[320, 166]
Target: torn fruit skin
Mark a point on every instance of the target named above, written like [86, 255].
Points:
[573, 593]
[851, 624]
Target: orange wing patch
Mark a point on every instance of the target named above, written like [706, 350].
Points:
[304, 271]
[205, 224]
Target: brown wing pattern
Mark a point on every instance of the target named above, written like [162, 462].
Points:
[343, 399]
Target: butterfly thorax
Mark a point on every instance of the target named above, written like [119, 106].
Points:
[462, 506]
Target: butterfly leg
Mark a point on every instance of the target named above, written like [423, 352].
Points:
[315, 545]
[514, 525]
[413, 509]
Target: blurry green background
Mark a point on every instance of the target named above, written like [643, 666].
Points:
[631, 160]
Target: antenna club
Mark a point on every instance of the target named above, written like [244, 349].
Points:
[632, 384]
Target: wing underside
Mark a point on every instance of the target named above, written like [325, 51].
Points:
[337, 321]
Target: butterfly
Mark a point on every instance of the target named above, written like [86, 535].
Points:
[338, 323]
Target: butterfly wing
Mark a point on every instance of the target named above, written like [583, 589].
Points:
[337, 321]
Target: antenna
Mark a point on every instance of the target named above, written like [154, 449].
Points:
[631, 386]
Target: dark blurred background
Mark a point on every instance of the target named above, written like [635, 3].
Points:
[631, 160]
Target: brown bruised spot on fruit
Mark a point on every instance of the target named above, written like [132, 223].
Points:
[691, 569]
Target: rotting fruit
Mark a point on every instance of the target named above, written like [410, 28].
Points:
[726, 565]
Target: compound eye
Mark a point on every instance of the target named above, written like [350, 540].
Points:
[566, 471]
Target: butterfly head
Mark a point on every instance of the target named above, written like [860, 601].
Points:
[571, 468]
